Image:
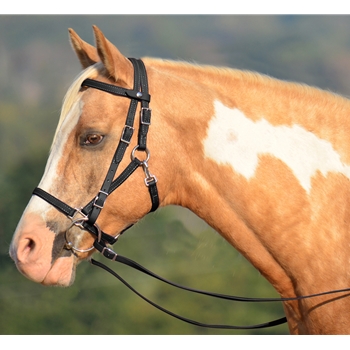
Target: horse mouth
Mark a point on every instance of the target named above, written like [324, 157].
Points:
[59, 247]
[64, 260]
[61, 272]
[39, 253]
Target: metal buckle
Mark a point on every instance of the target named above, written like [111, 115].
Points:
[109, 253]
[149, 177]
[97, 198]
[142, 121]
[148, 180]
[122, 139]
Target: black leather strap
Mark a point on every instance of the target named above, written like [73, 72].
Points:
[125, 139]
[55, 202]
[139, 94]
[145, 113]
[140, 90]
[110, 254]
[133, 165]
[116, 90]
[153, 191]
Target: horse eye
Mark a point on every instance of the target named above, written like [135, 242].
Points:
[93, 139]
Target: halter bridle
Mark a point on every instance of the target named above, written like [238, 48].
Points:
[85, 217]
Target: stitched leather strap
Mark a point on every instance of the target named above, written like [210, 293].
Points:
[55, 202]
[123, 143]
[108, 253]
[153, 191]
[139, 93]
[145, 116]
[116, 183]
[94, 207]
[116, 90]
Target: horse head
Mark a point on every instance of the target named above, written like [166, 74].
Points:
[90, 127]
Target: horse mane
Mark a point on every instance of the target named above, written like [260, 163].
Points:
[210, 74]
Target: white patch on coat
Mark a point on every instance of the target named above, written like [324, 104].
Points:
[234, 139]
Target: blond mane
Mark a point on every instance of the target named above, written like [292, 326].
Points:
[210, 74]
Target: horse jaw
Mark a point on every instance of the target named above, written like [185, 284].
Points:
[32, 250]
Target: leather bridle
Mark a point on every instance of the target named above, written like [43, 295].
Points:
[85, 217]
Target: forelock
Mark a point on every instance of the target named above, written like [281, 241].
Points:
[73, 93]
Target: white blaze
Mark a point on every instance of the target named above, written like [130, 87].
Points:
[234, 139]
[51, 176]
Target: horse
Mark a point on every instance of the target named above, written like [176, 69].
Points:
[264, 162]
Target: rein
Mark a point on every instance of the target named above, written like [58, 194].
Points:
[123, 260]
[85, 217]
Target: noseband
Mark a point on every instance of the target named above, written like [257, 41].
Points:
[85, 217]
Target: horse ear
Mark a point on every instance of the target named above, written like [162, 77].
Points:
[86, 53]
[117, 65]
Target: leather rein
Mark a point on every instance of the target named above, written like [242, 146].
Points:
[85, 218]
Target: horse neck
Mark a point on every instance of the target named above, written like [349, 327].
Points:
[258, 159]
[198, 109]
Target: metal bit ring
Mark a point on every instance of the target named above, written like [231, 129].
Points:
[69, 245]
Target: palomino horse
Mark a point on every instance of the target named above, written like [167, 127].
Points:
[266, 163]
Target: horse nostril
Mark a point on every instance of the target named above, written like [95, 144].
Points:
[25, 249]
[30, 244]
